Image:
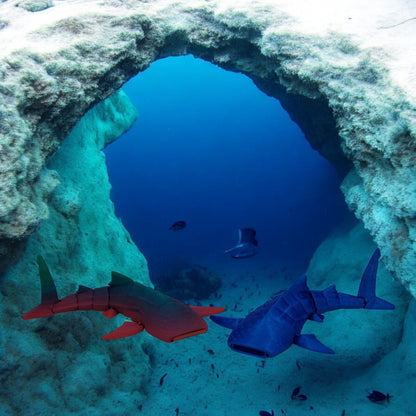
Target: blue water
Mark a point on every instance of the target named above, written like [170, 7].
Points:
[211, 149]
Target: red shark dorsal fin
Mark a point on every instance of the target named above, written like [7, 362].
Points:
[49, 296]
[83, 289]
[48, 289]
[207, 310]
[126, 330]
[118, 279]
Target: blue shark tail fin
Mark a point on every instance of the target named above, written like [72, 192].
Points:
[367, 290]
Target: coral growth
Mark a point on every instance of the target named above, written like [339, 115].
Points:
[34, 5]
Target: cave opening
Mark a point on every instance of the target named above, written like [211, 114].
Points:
[211, 149]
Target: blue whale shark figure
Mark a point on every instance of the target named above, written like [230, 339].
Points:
[274, 326]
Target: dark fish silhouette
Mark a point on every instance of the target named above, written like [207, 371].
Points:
[295, 392]
[246, 245]
[377, 396]
[266, 413]
[178, 225]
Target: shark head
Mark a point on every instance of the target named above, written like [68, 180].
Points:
[260, 338]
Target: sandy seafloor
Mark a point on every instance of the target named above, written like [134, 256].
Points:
[204, 377]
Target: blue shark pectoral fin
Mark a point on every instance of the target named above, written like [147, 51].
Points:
[310, 342]
[234, 248]
[229, 250]
[126, 330]
[230, 323]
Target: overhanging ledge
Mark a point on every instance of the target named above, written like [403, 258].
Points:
[59, 62]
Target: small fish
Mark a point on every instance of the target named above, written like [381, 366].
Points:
[178, 225]
[377, 396]
[295, 392]
[266, 413]
[162, 379]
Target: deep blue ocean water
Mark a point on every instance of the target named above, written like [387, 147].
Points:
[211, 149]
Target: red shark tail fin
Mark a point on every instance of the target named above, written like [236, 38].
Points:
[207, 310]
[49, 295]
[40, 311]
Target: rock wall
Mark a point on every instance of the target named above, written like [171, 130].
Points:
[61, 362]
[352, 65]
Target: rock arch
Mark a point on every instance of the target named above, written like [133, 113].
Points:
[340, 91]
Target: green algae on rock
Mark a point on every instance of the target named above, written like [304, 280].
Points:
[34, 5]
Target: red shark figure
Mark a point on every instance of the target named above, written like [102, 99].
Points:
[162, 316]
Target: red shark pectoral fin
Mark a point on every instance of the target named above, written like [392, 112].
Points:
[126, 330]
[110, 313]
[207, 310]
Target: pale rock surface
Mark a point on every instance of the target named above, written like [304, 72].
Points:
[341, 259]
[61, 362]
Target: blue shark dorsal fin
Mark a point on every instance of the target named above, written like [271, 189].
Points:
[317, 317]
[230, 323]
[83, 289]
[299, 286]
[118, 279]
[330, 289]
[310, 342]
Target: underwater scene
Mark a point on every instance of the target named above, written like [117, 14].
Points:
[235, 171]
[207, 208]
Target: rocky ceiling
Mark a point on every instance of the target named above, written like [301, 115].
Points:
[342, 79]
